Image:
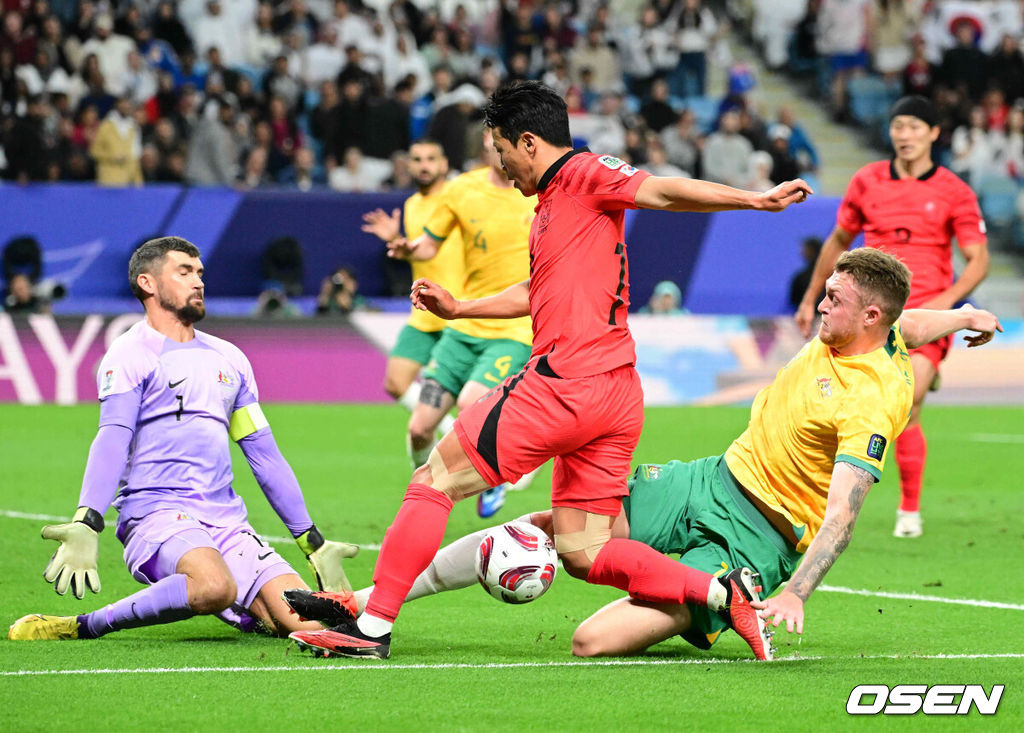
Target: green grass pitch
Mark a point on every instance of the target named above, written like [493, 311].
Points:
[463, 661]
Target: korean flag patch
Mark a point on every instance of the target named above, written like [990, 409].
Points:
[876, 447]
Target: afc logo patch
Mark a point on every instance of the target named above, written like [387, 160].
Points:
[876, 447]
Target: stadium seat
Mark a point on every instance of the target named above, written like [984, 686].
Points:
[998, 198]
[868, 99]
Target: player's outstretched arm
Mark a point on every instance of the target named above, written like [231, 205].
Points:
[849, 486]
[279, 484]
[513, 302]
[690, 194]
[921, 326]
[837, 243]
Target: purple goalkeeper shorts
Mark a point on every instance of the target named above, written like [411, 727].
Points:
[154, 544]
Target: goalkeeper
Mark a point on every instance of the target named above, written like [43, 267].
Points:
[170, 398]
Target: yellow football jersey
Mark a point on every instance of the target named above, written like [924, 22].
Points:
[821, 409]
[494, 224]
[446, 269]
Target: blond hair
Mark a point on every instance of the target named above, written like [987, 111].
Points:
[883, 280]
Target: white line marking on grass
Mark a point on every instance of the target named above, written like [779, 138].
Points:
[996, 437]
[33, 517]
[918, 597]
[496, 665]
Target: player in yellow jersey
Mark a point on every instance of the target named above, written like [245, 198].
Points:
[784, 498]
[429, 168]
[474, 355]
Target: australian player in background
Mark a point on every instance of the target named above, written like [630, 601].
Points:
[912, 208]
[492, 221]
[429, 168]
[170, 398]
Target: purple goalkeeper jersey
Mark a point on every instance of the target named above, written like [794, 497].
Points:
[179, 456]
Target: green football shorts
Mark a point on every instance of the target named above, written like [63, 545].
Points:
[459, 358]
[415, 344]
[698, 511]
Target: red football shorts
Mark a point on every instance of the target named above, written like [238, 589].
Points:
[589, 425]
[936, 351]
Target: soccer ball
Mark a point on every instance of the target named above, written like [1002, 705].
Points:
[516, 562]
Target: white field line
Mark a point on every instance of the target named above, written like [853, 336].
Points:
[373, 547]
[918, 597]
[995, 437]
[508, 665]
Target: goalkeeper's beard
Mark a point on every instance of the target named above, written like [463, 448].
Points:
[188, 314]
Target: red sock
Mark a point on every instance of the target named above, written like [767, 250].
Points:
[911, 449]
[647, 575]
[409, 545]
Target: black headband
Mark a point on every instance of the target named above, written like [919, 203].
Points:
[915, 106]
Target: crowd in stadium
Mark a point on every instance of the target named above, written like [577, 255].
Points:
[309, 93]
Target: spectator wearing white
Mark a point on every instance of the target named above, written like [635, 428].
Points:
[773, 25]
[138, 80]
[401, 61]
[682, 142]
[376, 44]
[604, 130]
[322, 60]
[1010, 148]
[760, 167]
[694, 36]
[111, 51]
[355, 175]
[648, 50]
[438, 51]
[42, 75]
[974, 147]
[556, 74]
[657, 160]
[895, 22]
[727, 153]
[216, 29]
[352, 28]
[844, 27]
[595, 54]
[262, 43]
[464, 60]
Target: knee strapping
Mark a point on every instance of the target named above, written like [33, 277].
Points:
[457, 485]
[595, 534]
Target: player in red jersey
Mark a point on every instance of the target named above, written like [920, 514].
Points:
[911, 208]
[578, 400]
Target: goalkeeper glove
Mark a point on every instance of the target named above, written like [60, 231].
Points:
[325, 559]
[74, 562]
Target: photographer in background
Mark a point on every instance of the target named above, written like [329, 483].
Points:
[21, 298]
[339, 294]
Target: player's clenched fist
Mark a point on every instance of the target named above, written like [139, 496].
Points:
[74, 563]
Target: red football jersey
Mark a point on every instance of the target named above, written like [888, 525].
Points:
[914, 219]
[579, 276]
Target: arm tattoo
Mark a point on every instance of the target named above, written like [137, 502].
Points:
[831, 540]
